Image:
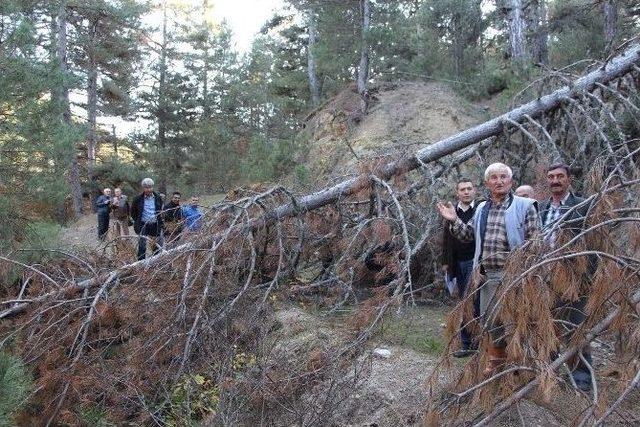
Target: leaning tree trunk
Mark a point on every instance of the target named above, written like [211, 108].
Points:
[63, 102]
[615, 68]
[314, 84]
[363, 68]
[517, 31]
[610, 9]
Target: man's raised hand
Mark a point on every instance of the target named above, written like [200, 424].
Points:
[447, 211]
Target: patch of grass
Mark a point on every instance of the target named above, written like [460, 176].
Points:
[93, 415]
[406, 333]
[15, 386]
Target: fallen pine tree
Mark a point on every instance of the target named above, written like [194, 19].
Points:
[192, 333]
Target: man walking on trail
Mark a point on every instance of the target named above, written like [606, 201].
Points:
[146, 212]
[103, 204]
[120, 212]
[172, 216]
[457, 258]
[193, 215]
[570, 313]
[500, 225]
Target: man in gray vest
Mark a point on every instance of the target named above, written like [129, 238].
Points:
[559, 206]
[499, 225]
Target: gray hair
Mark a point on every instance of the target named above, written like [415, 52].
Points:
[497, 167]
[147, 182]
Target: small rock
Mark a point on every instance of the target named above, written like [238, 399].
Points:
[382, 353]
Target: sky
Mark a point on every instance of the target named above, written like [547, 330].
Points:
[245, 17]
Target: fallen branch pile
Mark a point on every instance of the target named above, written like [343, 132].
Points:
[193, 333]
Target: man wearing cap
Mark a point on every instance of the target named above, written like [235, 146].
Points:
[146, 211]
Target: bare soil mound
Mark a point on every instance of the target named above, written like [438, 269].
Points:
[400, 117]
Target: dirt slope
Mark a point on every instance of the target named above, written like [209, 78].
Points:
[401, 117]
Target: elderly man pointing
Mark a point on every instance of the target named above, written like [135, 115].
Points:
[499, 225]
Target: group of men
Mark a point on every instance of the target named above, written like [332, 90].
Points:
[153, 220]
[480, 235]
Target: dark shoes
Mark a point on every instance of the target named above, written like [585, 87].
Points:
[465, 352]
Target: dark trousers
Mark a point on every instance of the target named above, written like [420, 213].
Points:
[103, 225]
[573, 314]
[149, 231]
[463, 276]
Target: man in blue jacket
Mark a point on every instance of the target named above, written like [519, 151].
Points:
[192, 215]
[500, 225]
[103, 205]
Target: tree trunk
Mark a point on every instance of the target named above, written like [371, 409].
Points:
[63, 102]
[206, 111]
[458, 46]
[517, 31]
[314, 84]
[92, 113]
[363, 68]
[539, 32]
[610, 22]
[615, 68]
[162, 105]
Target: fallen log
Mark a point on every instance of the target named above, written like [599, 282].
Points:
[613, 69]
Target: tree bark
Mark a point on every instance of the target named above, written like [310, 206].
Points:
[92, 114]
[206, 111]
[610, 9]
[517, 31]
[539, 32]
[162, 103]
[314, 85]
[63, 102]
[363, 68]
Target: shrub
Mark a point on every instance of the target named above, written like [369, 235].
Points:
[15, 386]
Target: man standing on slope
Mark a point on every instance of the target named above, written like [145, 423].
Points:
[500, 225]
[103, 205]
[570, 313]
[457, 258]
[146, 212]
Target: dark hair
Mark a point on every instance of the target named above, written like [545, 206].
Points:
[560, 165]
[463, 179]
[176, 192]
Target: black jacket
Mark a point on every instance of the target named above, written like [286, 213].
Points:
[136, 211]
[575, 220]
[454, 250]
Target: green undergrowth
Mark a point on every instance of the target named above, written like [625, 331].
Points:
[15, 386]
[414, 330]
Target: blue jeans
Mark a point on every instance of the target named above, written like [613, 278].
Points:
[463, 275]
[103, 225]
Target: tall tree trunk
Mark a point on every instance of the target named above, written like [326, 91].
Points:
[539, 31]
[206, 111]
[458, 45]
[314, 84]
[162, 105]
[363, 68]
[63, 102]
[92, 114]
[517, 31]
[610, 22]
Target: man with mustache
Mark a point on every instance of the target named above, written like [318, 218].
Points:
[500, 225]
[570, 313]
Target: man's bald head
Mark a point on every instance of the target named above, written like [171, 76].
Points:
[525, 191]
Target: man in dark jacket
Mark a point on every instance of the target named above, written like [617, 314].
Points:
[103, 204]
[570, 313]
[457, 257]
[146, 211]
[172, 217]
